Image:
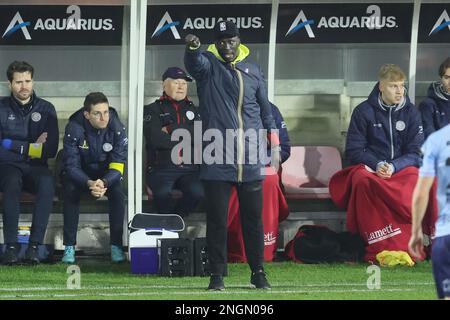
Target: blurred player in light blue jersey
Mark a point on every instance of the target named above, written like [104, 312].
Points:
[436, 163]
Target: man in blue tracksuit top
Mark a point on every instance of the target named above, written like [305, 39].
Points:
[383, 145]
[29, 136]
[386, 135]
[94, 157]
[435, 108]
[233, 100]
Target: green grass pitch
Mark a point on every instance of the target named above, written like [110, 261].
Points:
[99, 279]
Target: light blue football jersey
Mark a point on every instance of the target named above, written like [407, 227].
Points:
[436, 162]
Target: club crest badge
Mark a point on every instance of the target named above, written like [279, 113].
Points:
[107, 147]
[190, 115]
[400, 125]
[36, 116]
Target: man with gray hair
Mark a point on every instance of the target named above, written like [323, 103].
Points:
[168, 170]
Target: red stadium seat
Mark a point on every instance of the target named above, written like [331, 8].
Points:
[307, 172]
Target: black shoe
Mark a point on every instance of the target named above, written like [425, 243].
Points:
[10, 256]
[216, 283]
[31, 255]
[259, 280]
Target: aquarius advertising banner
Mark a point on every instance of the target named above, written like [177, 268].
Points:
[434, 23]
[61, 25]
[345, 23]
[170, 24]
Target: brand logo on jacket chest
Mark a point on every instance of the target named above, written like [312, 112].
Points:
[84, 145]
[11, 117]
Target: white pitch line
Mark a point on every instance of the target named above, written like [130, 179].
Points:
[197, 286]
[203, 292]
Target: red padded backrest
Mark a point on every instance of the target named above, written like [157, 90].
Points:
[309, 169]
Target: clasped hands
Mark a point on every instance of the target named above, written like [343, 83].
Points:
[97, 188]
[385, 170]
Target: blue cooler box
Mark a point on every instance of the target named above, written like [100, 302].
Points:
[144, 249]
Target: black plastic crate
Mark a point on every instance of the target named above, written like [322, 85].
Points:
[176, 257]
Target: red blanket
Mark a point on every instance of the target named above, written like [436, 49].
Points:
[380, 209]
[275, 210]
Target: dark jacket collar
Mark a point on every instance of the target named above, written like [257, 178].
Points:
[24, 108]
[375, 100]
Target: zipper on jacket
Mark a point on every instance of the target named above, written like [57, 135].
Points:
[390, 131]
[240, 142]
[98, 142]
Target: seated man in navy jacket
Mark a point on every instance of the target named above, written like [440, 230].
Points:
[383, 144]
[435, 108]
[94, 157]
[162, 118]
[29, 136]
